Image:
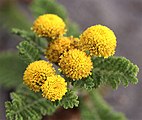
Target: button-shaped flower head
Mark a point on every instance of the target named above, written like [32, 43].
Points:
[36, 74]
[54, 88]
[75, 64]
[57, 47]
[49, 25]
[99, 40]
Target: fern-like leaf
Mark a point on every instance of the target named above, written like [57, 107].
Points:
[114, 71]
[28, 52]
[87, 83]
[97, 109]
[70, 100]
[103, 109]
[73, 29]
[26, 35]
[10, 16]
[27, 105]
[87, 113]
[29, 36]
[48, 6]
[11, 69]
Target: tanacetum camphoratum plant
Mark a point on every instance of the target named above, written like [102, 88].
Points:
[63, 70]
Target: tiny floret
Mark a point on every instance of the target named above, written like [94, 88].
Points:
[36, 74]
[54, 88]
[76, 64]
[57, 47]
[49, 25]
[99, 40]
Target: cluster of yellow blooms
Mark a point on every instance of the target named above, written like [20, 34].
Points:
[56, 48]
[40, 75]
[68, 52]
[36, 74]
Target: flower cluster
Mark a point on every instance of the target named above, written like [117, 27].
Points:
[56, 48]
[68, 53]
[40, 75]
[36, 74]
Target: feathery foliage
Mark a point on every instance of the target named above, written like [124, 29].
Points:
[88, 113]
[11, 69]
[48, 6]
[98, 109]
[27, 105]
[73, 29]
[114, 71]
[28, 52]
[86, 83]
[70, 100]
[26, 35]
[37, 42]
[8, 11]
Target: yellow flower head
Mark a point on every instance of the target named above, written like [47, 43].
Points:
[57, 47]
[54, 88]
[36, 74]
[74, 42]
[99, 40]
[49, 25]
[75, 64]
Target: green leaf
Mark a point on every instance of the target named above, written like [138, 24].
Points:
[114, 71]
[37, 42]
[69, 100]
[26, 35]
[27, 105]
[73, 29]
[48, 6]
[103, 109]
[11, 69]
[97, 109]
[87, 113]
[28, 52]
[86, 83]
[10, 16]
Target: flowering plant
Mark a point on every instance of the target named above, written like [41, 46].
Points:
[62, 70]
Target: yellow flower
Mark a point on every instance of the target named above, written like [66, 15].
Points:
[49, 25]
[99, 40]
[36, 74]
[57, 47]
[74, 42]
[75, 64]
[54, 88]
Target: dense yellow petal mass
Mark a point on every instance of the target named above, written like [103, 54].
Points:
[36, 74]
[54, 88]
[57, 47]
[75, 64]
[99, 40]
[49, 25]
